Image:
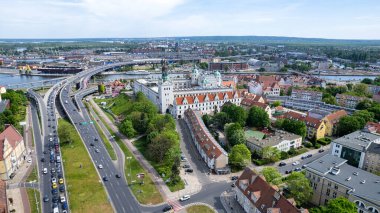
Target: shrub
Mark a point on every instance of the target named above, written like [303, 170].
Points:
[317, 145]
[308, 144]
[324, 141]
[284, 155]
[261, 162]
[292, 151]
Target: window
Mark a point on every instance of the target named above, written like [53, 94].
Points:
[334, 195]
[328, 192]
[336, 186]
[329, 184]
[326, 201]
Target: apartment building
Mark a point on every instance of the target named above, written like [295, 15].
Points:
[306, 95]
[348, 101]
[279, 139]
[316, 128]
[332, 177]
[211, 152]
[254, 194]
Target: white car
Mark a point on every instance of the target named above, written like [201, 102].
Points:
[44, 170]
[29, 160]
[185, 197]
[100, 166]
[63, 199]
[295, 163]
[53, 180]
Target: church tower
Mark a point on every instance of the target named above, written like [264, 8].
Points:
[195, 76]
[165, 90]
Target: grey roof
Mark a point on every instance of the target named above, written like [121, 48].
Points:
[362, 184]
[374, 148]
[273, 140]
[358, 140]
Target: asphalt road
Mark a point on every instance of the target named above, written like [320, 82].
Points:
[290, 167]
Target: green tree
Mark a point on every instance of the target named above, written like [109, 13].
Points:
[367, 81]
[257, 117]
[340, 204]
[360, 89]
[348, 124]
[262, 69]
[234, 134]
[239, 157]
[367, 116]
[364, 104]
[161, 122]
[276, 104]
[272, 175]
[349, 86]
[126, 127]
[294, 126]
[271, 154]
[235, 113]
[101, 88]
[220, 119]
[376, 111]
[284, 69]
[299, 187]
[207, 120]
[203, 65]
[329, 99]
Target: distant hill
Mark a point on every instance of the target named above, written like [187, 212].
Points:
[249, 39]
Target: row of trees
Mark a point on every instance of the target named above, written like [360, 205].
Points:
[376, 81]
[357, 121]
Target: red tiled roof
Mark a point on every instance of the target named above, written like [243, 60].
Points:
[335, 116]
[249, 183]
[309, 121]
[373, 127]
[202, 98]
[13, 137]
[261, 105]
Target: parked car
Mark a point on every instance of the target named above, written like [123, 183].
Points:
[46, 198]
[233, 185]
[61, 188]
[105, 178]
[304, 157]
[321, 150]
[186, 166]
[297, 169]
[185, 197]
[100, 166]
[45, 171]
[309, 155]
[282, 164]
[117, 176]
[189, 170]
[167, 208]
[288, 171]
[295, 163]
[234, 177]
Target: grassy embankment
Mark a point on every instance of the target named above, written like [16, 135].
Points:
[85, 190]
[199, 208]
[33, 194]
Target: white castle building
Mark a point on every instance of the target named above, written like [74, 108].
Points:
[202, 91]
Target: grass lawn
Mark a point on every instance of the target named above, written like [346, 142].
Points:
[140, 144]
[85, 190]
[199, 208]
[33, 195]
[107, 143]
[146, 193]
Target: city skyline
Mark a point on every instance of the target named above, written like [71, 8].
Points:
[171, 18]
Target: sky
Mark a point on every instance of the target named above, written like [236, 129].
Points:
[339, 19]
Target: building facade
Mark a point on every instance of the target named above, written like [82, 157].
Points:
[211, 152]
[348, 101]
[279, 139]
[332, 177]
[12, 151]
[307, 95]
[316, 128]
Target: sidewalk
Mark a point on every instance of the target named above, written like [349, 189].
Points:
[156, 178]
[229, 202]
[19, 195]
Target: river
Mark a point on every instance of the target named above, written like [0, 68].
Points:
[345, 77]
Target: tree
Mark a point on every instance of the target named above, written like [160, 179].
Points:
[299, 187]
[376, 111]
[294, 126]
[175, 168]
[207, 120]
[64, 134]
[348, 124]
[364, 104]
[240, 156]
[220, 119]
[360, 89]
[139, 121]
[329, 99]
[161, 123]
[340, 204]
[126, 127]
[349, 86]
[276, 104]
[257, 117]
[262, 69]
[234, 134]
[101, 88]
[271, 154]
[284, 69]
[272, 175]
[203, 65]
[367, 116]
[158, 148]
[235, 113]
[367, 81]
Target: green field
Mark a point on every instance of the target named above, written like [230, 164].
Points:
[85, 189]
[256, 134]
[199, 208]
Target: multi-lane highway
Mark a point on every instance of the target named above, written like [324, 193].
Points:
[51, 173]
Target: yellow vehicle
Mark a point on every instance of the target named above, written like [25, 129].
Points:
[54, 186]
[61, 181]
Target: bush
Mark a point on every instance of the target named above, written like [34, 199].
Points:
[284, 155]
[261, 162]
[324, 141]
[308, 144]
[317, 145]
[292, 151]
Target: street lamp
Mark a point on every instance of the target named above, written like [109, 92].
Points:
[130, 170]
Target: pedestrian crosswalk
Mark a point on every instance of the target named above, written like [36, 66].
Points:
[175, 204]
